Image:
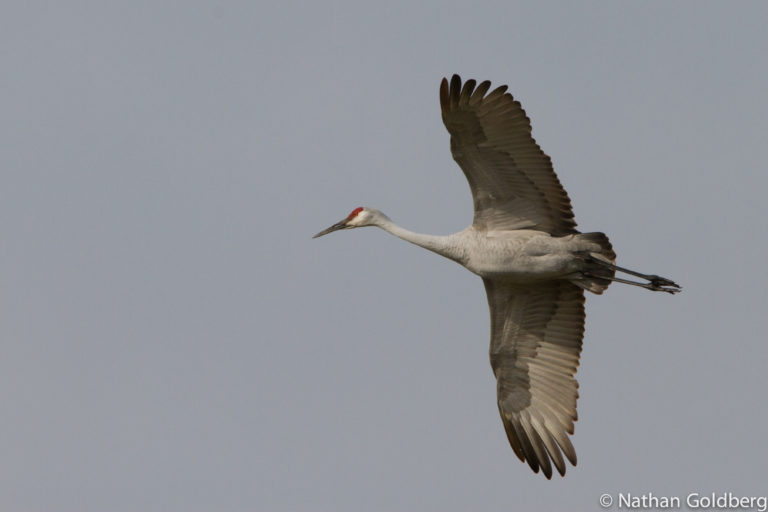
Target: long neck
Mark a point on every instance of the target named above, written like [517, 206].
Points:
[442, 245]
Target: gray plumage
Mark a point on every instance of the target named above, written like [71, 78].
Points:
[534, 263]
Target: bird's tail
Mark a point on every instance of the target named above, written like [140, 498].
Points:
[595, 277]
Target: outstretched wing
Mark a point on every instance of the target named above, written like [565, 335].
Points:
[536, 334]
[512, 180]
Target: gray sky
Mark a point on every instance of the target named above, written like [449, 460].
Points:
[172, 339]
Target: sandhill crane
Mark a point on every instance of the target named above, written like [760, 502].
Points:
[534, 263]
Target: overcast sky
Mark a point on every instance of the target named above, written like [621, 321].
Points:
[173, 340]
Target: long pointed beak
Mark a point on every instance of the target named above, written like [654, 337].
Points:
[339, 225]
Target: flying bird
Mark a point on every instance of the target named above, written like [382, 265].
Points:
[534, 263]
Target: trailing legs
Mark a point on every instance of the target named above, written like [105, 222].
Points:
[655, 283]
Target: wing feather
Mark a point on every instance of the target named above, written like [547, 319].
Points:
[536, 443]
[536, 334]
[477, 96]
[512, 181]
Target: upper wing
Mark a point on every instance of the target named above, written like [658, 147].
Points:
[536, 335]
[512, 181]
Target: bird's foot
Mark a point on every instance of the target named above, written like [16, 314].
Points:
[662, 284]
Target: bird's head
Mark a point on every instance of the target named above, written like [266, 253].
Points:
[358, 218]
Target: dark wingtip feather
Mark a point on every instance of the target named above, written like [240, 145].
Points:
[466, 92]
[444, 94]
[455, 90]
[497, 93]
[526, 445]
[554, 453]
[480, 91]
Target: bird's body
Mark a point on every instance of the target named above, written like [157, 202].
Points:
[535, 266]
[524, 256]
[520, 256]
